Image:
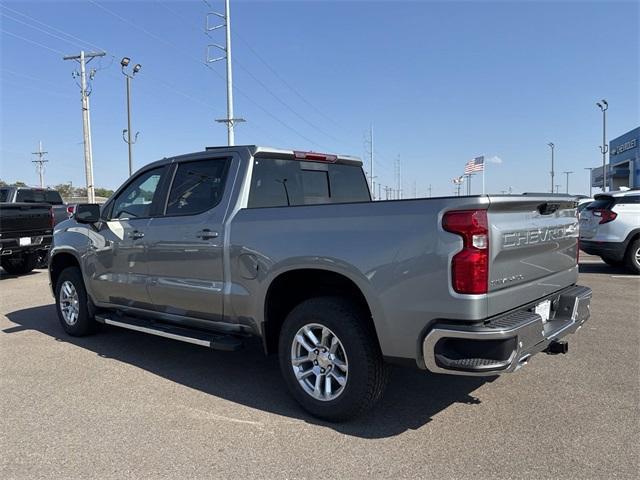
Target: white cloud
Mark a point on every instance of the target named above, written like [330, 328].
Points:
[494, 159]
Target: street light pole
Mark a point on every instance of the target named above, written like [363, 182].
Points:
[604, 148]
[553, 146]
[590, 184]
[567, 184]
[124, 63]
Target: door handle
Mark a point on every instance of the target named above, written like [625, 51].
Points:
[136, 235]
[207, 234]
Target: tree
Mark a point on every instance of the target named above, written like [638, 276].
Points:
[103, 192]
[3, 183]
[20, 184]
[65, 189]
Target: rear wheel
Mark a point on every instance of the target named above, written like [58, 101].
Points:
[72, 303]
[330, 359]
[20, 264]
[632, 257]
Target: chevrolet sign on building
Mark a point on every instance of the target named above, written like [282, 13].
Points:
[623, 169]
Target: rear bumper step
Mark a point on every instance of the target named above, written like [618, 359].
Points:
[506, 343]
[197, 337]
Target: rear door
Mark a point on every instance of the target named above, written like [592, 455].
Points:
[533, 248]
[185, 243]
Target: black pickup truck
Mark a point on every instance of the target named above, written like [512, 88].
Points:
[26, 230]
[15, 194]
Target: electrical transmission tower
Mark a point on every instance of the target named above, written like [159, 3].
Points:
[226, 49]
[40, 163]
[398, 179]
[83, 59]
[369, 151]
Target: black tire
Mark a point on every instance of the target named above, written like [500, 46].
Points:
[20, 264]
[367, 373]
[611, 262]
[84, 323]
[632, 257]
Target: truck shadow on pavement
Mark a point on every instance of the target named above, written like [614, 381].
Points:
[249, 378]
[603, 268]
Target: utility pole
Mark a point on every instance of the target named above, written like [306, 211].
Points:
[379, 191]
[230, 120]
[567, 184]
[590, 184]
[40, 163]
[124, 63]
[553, 147]
[429, 190]
[83, 59]
[557, 189]
[604, 148]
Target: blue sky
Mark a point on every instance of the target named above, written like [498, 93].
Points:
[441, 82]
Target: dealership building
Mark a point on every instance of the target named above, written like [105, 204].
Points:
[623, 169]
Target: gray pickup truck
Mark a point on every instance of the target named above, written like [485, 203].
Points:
[212, 247]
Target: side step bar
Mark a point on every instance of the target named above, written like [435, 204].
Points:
[226, 343]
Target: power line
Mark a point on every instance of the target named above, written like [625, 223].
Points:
[188, 55]
[32, 42]
[16, 12]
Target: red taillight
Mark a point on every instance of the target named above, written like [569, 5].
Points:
[606, 216]
[315, 157]
[470, 266]
[71, 209]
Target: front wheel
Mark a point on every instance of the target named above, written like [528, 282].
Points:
[632, 257]
[330, 359]
[72, 303]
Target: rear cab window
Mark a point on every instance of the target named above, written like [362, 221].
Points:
[38, 196]
[283, 182]
[4, 194]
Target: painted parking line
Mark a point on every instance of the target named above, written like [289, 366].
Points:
[626, 276]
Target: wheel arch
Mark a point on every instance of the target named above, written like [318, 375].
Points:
[295, 285]
[58, 261]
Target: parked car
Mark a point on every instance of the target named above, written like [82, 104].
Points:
[211, 247]
[610, 228]
[13, 194]
[584, 203]
[26, 231]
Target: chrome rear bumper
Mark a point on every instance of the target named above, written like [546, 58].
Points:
[503, 344]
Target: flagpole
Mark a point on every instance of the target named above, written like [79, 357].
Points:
[484, 169]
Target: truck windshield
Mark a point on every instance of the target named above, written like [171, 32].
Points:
[4, 194]
[281, 183]
[38, 196]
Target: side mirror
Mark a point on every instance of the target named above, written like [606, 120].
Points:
[87, 213]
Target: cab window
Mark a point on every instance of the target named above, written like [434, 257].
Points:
[197, 186]
[136, 200]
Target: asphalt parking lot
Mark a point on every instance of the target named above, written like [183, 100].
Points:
[122, 404]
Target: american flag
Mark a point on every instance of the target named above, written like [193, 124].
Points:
[474, 165]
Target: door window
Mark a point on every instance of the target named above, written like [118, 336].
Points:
[136, 199]
[197, 186]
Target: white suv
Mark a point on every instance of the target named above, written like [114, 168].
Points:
[610, 228]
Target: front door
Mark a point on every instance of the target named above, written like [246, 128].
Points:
[117, 257]
[185, 244]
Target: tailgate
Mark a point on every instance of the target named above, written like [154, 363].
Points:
[24, 218]
[533, 248]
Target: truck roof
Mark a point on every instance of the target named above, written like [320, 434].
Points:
[310, 156]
